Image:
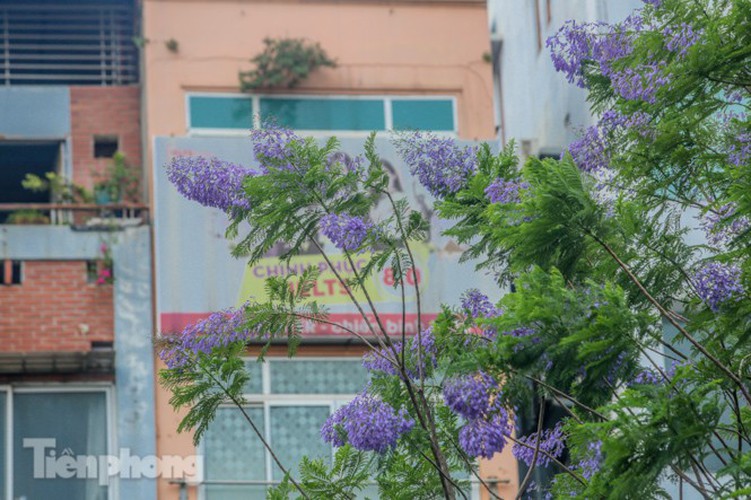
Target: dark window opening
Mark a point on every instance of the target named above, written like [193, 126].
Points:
[10, 272]
[17, 160]
[105, 146]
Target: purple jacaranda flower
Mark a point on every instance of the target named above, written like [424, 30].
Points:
[346, 232]
[641, 83]
[503, 191]
[367, 423]
[272, 145]
[485, 437]
[478, 305]
[680, 38]
[439, 164]
[590, 464]
[551, 442]
[210, 181]
[739, 151]
[722, 226]
[653, 3]
[218, 330]
[382, 360]
[647, 377]
[717, 283]
[471, 396]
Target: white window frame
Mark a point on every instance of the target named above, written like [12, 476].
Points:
[387, 100]
[113, 490]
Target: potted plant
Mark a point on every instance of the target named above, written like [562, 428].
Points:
[119, 182]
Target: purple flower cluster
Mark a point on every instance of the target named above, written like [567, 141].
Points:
[647, 377]
[503, 191]
[551, 442]
[739, 152]
[471, 396]
[569, 48]
[478, 305]
[484, 438]
[574, 44]
[477, 399]
[592, 461]
[653, 3]
[219, 329]
[521, 332]
[717, 283]
[722, 226]
[272, 144]
[641, 83]
[382, 360]
[367, 423]
[592, 152]
[210, 181]
[439, 164]
[347, 232]
[681, 38]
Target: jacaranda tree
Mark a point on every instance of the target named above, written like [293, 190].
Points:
[629, 260]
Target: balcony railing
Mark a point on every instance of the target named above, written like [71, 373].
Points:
[67, 43]
[78, 215]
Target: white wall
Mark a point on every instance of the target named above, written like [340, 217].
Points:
[537, 107]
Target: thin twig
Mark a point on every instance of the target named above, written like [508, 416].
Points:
[528, 475]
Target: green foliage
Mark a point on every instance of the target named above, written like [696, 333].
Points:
[62, 189]
[284, 62]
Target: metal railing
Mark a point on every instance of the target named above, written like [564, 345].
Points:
[67, 43]
[82, 215]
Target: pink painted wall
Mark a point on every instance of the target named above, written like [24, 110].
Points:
[381, 48]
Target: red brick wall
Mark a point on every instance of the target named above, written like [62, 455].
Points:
[103, 111]
[52, 309]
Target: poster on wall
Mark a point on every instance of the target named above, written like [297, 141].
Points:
[196, 275]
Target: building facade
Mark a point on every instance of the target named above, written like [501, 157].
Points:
[399, 65]
[76, 384]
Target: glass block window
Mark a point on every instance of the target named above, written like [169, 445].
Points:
[289, 400]
[317, 377]
[221, 112]
[295, 433]
[227, 113]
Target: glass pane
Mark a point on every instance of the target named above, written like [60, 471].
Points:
[255, 384]
[235, 492]
[423, 114]
[232, 451]
[221, 112]
[3, 442]
[68, 430]
[325, 114]
[317, 377]
[295, 433]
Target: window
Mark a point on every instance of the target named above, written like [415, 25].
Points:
[232, 114]
[105, 146]
[10, 272]
[51, 440]
[289, 400]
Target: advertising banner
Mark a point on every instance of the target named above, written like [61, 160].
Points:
[196, 274]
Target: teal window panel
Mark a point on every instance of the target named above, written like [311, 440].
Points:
[255, 384]
[232, 450]
[221, 112]
[296, 433]
[423, 114]
[325, 114]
